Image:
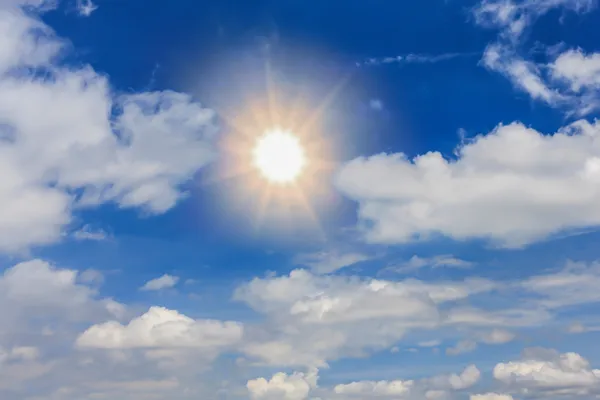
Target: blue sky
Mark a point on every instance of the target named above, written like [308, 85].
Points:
[441, 242]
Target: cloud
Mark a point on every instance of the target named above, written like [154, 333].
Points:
[569, 81]
[525, 75]
[491, 396]
[371, 388]
[574, 284]
[513, 17]
[164, 282]
[442, 261]
[550, 373]
[464, 346]
[578, 327]
[328, 262]
[581, 71]
[296, 386]
[413, 59]
[88, 233]
[430, 343]
[469, 377]
[27, 353]
[85, 8]
[513, 186]
[161, 328]
[91, 276]
[497, 336]
[36, 288]
[313, 319]
[83, 147]
[429, 388]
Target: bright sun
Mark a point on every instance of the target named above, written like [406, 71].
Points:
[279, 156]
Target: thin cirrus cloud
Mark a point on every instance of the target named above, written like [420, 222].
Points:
[414, 59]
[331, 261]
[567, 80]
[416, 263]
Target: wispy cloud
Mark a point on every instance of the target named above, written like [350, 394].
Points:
[85, 8]
[413, 58]
[89, 233]
[164, 282]
[415, 263]
[330, 261]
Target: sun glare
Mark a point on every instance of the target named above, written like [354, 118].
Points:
[279, 156]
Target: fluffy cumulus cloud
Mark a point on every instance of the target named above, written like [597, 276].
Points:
[41, 307]
[36, 290]
[429, 388]
[296, 386]
[161, 328]
[313, 318]
[548, 373]
[580, 70]
[514, 186]
[567, 79]
[377, 389]
[68, 142]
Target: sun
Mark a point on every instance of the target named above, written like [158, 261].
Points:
[279, 156]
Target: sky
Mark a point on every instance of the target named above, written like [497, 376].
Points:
[440, 241]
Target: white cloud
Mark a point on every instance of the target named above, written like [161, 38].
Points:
[580, 70]
[88, 233]
[315, 318]
[445, 261]
[139, 386]
[514, 186]
[37, 288]
[576, 283]
[371, 388]
[27, 353]
[430, 388]
[296, 386]
[328, 262]
[412, 59]
[551, 373]
[491, 396]
[162, 328]
[542, 81]
[464, 346]
[430, 343]
[59, 137]
[466, 379]
[85, 8]
[513, 17]
[498, 336]
[164, 282]
[525, 75]
[578, 327]
[91, 276]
